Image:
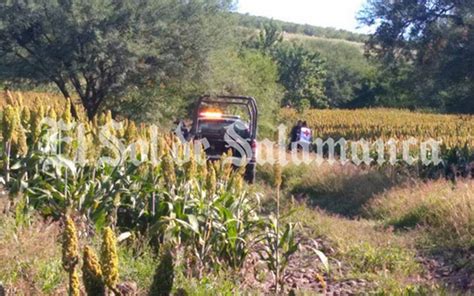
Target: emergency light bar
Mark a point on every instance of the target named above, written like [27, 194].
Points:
[211, 115]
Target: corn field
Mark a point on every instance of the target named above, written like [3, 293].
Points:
[173, 194]
[32, 99]
[456, 132]
[129, 178]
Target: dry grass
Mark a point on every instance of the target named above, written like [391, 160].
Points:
[33, 99]
[444, 210]
[297, 37]
[342, 189]
[345, 232]
[362, 249]
[360, 212]
[339, 189]
[30, 261]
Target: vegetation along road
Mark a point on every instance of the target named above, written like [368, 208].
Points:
[99, 197]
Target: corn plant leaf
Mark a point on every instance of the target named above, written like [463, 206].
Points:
[16, 166]
[123, 236]
[187, 225]
[323, 258]
[193, 222]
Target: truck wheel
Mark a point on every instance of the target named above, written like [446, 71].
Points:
[250, 172]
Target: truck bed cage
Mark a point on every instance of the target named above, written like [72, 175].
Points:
[248, 102]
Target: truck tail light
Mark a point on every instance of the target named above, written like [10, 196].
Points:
[254, 146]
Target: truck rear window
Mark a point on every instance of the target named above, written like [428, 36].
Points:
[218, 127]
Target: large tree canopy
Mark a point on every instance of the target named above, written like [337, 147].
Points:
[436, 37]
[98, 48]
[302, 73]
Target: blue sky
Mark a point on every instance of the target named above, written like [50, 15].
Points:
[340, 14]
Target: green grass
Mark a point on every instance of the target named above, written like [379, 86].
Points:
[50, 275]
[369, 259]
[137, 265]
[216, 284]
[392, 287]
[364, 249]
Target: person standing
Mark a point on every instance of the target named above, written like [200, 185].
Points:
[181, 130]
[306, 134]
[295, 133]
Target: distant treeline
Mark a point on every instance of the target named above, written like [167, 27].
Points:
[150, 66]
[256, 22]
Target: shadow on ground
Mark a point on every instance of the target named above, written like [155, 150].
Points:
[343, 190]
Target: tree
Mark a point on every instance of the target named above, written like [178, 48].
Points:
[97, 49]
[252, 74]
[346, 68]
[436, 37]
[269, 37]
[302, 73]
[256, 22]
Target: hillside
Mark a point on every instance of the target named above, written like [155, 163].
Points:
[256, 22]
[333, 41]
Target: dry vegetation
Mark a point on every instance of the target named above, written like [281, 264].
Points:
[30, 257]
[373, 124]
[383, 229]
[300, 37]
[33, 99]
[444, 210]
[400, 232]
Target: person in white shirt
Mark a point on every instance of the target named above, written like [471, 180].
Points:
[306, 135]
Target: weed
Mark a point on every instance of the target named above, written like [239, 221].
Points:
[49, 275]
[366, 258]
[137, 265]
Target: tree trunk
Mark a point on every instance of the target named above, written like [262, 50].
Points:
[73, 110]
[7, 152]
[91, 108]
[92, 103]
[62, 87]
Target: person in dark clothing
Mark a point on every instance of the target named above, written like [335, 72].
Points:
[185, 130]
[295, 133]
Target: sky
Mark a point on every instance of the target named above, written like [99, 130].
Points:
[340, 14]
